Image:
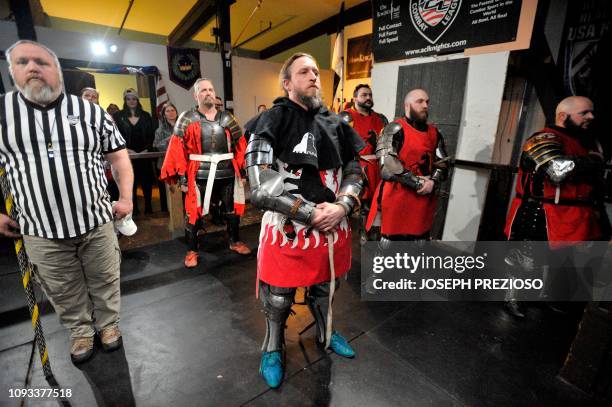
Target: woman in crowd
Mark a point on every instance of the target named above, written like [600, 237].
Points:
[112, 109]
[163, 133]
[137, 129]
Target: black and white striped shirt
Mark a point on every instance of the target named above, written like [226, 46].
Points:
[54, 162]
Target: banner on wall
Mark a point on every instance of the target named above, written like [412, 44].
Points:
[359, 57]
[416, 28]
[586, 45]
[184, 66]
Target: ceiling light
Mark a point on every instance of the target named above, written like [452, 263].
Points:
[113, 48]
[98, 48]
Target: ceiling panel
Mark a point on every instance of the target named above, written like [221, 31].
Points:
[161, 17]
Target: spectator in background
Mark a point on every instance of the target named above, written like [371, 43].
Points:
[91, 94]
[261, 108]
[163, 133]
[219, 104]
[137, 129]
[112, 109]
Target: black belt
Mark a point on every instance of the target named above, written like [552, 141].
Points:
[566, 202]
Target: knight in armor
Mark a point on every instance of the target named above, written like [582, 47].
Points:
[557, 188]
[368, 124]
[206, 152]
[302, 162]
[412, 160]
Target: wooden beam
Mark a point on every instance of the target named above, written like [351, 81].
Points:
[24, 19]
[225, 38]
[196, 18]
[353, 15]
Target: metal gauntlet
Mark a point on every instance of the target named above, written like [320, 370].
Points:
[267, 186]
[351, 187]
[545, 152]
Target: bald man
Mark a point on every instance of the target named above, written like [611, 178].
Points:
[410, 152]
[561, 167]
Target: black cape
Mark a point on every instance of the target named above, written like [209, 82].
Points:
[299, 137]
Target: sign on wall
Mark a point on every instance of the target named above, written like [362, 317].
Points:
[415, 28]
[359, 57]
[184, 66]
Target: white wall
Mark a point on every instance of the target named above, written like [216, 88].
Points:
[256, 82]
[481, 108]
[74, 45]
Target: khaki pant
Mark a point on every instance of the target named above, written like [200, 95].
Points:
[80, 276]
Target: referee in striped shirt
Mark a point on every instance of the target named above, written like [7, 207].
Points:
[52, 146]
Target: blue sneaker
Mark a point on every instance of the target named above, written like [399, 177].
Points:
[339, 345]
[271, 368]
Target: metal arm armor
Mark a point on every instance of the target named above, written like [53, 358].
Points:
[183, 121]
[544, 152]
[267, 186]
[440, 171]
[391, 167]
[351, 186]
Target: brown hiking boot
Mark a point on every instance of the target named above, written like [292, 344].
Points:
[240, 248]
[191, 259]
[111, 338]
[81, 349]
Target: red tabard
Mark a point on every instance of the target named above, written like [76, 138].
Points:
[403, 212]
[362, 125]
[564, 223]
[303, 260]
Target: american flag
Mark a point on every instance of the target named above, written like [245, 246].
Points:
[337, 63]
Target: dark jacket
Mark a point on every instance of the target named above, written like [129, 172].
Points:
[139, 137]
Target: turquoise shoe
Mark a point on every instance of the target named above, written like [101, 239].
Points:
[340, 346]
[271, 368]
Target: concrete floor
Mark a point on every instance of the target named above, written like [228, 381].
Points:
[192, 338]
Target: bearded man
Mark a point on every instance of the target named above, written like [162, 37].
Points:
[368, 124]
[412, 158]
[206, 151]
[53, 146]
[558, 190]
[303, 168]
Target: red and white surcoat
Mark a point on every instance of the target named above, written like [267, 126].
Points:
[303, 260]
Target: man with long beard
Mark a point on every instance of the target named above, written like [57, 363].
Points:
[412, 156]
[558, 187]
[303, 168]
[207, 151]
[368, 124]
[53, 146]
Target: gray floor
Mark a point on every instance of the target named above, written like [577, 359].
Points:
[192, 338]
